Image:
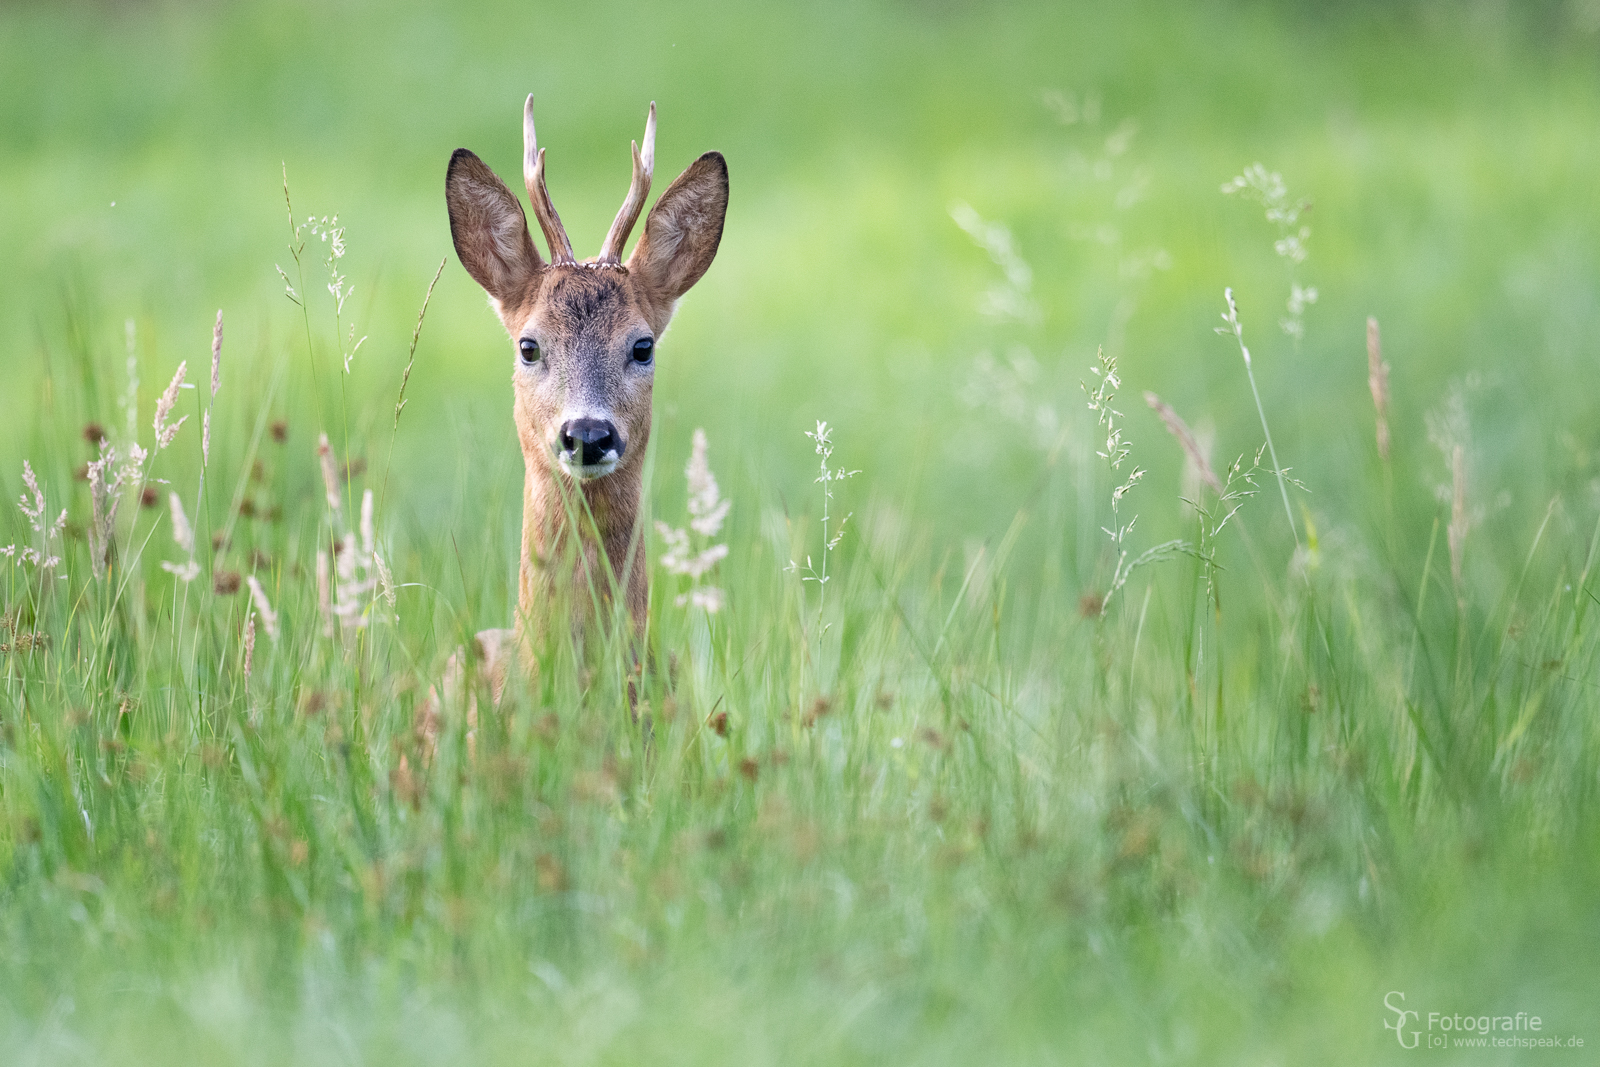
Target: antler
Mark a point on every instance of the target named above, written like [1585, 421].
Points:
[555, 235]
[643, 166]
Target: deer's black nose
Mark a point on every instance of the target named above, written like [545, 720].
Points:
[590, 440]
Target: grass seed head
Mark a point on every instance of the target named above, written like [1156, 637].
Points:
[330, 473]
[216, 356]
[1378, 383]
[1186, 439]
[164, 406]
[1458, 513]
[258, 596]
[182, 532]
[249, 642]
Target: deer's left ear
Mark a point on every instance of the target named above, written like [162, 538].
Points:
[684, 228]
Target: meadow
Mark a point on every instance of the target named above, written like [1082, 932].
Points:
[1095, 745]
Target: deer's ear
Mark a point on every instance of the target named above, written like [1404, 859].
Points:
[489, 230]
[684, 228]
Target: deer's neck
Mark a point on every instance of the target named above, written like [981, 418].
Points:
[581, 543]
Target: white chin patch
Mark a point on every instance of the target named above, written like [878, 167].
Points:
[584, 473]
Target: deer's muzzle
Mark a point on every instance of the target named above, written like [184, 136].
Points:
[590, 448]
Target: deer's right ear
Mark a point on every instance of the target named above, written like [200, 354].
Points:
[489, 230]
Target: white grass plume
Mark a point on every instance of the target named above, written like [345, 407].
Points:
[258, 596]
[164, 406]
[690, 553]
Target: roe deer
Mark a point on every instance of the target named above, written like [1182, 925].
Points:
[583, 336]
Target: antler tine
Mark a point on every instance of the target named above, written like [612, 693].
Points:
[644, 164]
[555, 235]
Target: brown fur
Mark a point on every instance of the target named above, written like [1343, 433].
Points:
[585, 318]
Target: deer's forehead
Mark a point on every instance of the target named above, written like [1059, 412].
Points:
[583, 304]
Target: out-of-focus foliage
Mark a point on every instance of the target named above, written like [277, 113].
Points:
[1005, 788]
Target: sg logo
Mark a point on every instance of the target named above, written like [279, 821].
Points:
[1398, 1026]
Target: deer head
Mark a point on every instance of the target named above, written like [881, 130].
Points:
[584, 333]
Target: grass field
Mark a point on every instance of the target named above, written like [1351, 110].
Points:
[989, 795]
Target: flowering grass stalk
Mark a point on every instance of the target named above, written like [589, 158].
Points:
[1115, 452]
[827, 477]
[1285, 212]
[691, 552]
[350, 577]
[1232, 325]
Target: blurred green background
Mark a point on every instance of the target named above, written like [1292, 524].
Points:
[1447, 152]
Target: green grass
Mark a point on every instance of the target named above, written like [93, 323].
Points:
[949, 813]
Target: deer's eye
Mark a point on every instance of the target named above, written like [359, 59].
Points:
[644, 350]
[530, 350]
